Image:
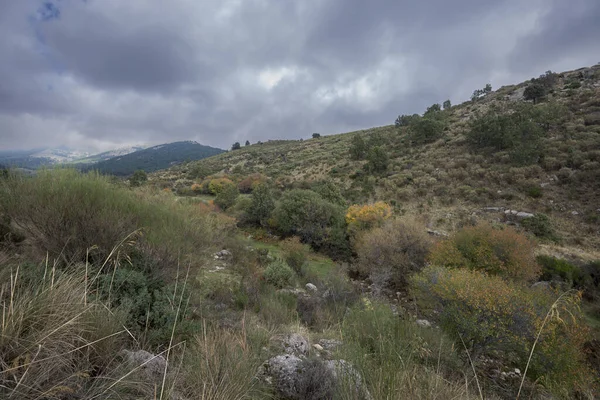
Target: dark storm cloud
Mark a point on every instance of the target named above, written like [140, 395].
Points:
[104, 73]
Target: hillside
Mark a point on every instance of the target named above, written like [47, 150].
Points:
[448, 180]
[155, 158]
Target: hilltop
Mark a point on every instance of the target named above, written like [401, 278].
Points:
[155, 158]
[448, 180]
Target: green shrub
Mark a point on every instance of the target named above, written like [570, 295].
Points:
[503, 252]
[377, 160]
[138, 178]
[555, 268]
[388, 255]
[261, 205]
[227, 197]
[515, 130]
[295, 254]
[279, 274]
[540, 226]
[358, 148]
[497, 318]
[427, 130]
[306, 214]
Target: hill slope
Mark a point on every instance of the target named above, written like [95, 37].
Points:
[448, 181]
[155, 158]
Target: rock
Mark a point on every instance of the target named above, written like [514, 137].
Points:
[223, 254]
[295, 344]
[282, 372]
[437, 233]
[492, 209]
[330, 344]
[343, 370]
[542, 285]
[153, 366]
[423, 323]
[544, 184]
[311, 288]
[294, 291]
[318, 347]
[574, 213]
[523, 215]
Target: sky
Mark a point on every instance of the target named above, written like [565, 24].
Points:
[99, 74]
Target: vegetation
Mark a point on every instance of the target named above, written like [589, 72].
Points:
[190, 270]
[154, 158]
[495, 251]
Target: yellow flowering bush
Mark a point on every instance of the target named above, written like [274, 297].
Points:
[362, 217]
[217, 185]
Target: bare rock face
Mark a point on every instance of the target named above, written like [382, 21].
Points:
[294, 344]
[282, 372]
[311, 288]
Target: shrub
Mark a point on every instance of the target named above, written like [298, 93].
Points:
[391, 253]
[503, 252]
[306, 214]
[364, 217]
[227, 197]
[377, 160]
[406, 120]
[279, 274]
[295, 254]
[555, 268]
[534, 91]
[236, 146]
[247, 184]
[198, 171]
[540, 226]
[447, 105]
[515, 130]
[427, 130]
[316, 135]
[138, 178]
[499, 318]
[261, 205]
[216, 186]
[330, 192]
[358, 147]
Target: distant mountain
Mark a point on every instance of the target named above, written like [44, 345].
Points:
[155, 158]
[61, 155]
[107, 155]
[24, 159]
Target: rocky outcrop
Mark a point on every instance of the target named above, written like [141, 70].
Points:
[151, 365]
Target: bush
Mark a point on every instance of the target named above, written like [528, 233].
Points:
[503, 252]
[261, 205]
[534, 91]
[295, 254]
[138, 178]
[330, 192]
[358, 148]
[377, 160]
[227, 197]
[427, 130]
[540, 226]
[388, 255]
[498, 318]
[360, 218]
[279, 274]
[555, 268]
[306, 214]
[216, 186]
[515, 130]
[406, 120]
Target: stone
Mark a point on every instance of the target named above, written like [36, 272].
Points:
[318, 347]
[574, 213]
[282, 372]
[423, 323]
[311, 288]
[542, 285]
[342, 369]
[295, 344]
[153, 366]
[223, 254]
[330, 344]
[437, 233]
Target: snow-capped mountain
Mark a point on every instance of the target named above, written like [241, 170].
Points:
[60, 155]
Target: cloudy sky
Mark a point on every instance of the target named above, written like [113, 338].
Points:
[98, 74]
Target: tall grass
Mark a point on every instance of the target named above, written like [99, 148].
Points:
[399, 360]
[75, 216]
[54, 343]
